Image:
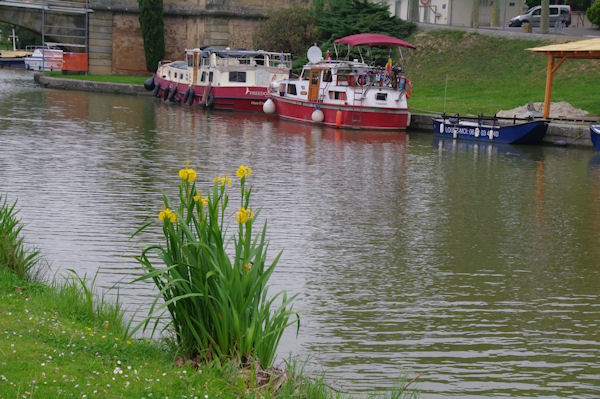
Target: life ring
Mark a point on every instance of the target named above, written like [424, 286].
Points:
[425, 2]
[408, 88]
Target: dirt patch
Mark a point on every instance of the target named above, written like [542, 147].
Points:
[560, 109]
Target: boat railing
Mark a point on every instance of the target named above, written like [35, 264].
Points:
[372, 78]
[493, 119]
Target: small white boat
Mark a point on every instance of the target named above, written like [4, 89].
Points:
[45, 59]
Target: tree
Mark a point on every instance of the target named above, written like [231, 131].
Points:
[287, 30]
[152, 27]
[593, 13]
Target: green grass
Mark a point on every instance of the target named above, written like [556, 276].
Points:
[130, 79]
[486, 74]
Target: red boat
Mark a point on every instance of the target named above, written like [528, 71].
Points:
[235, 80]
[343, 93]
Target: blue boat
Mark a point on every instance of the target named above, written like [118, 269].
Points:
[595, 136]
[491, 129]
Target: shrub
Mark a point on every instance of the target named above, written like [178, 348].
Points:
[218, 305]
[13, 253]
[593, 13]
[152, 27]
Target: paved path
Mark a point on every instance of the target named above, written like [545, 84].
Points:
[564, 35]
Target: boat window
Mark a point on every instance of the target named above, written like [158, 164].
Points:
[190, 60]
[282, 88]
[203, 78]
[342, 76]
[337, 95]
[381, 96]
[210, 77]
[327, 76]
[237, 76]
[305, 74]
[291, 89]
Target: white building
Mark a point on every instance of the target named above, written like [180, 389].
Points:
[457, 12]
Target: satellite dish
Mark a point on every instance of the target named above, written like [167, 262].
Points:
[314, 54]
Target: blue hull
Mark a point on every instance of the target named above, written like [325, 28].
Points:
[595, 136]
[471, 129]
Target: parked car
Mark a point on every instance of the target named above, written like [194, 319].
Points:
[558, 13]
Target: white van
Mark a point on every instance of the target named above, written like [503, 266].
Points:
[560, 13]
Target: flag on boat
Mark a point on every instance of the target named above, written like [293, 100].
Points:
[388, 66]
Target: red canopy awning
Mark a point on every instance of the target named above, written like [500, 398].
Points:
[373, 39]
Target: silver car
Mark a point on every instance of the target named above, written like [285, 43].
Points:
[558, 13]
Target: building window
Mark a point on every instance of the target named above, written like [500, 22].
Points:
[237, 76]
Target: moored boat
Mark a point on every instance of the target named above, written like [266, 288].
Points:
[13, 59]
[345, 93]
[45, 59]
[225, 79]
[491, 129]
[595, 136]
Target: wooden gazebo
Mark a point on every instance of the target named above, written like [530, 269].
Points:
[587, 49]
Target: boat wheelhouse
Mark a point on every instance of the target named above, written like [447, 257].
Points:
[345, 93]
[225, 79]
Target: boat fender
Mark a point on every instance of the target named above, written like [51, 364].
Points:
[317, 115]
[186, 95]
[455, 132]
[156, 90]
[205, 93]
[173, 96]
[441, 128]
[210, 100]
[269, 106]
[166, 93]
[408, 89]
[191, 97]
[149, 84]
[476, 132]
[338, 118]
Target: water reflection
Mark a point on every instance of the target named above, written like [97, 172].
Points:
[473, 264]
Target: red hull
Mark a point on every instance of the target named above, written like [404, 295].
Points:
[351, 117]
[250, 98]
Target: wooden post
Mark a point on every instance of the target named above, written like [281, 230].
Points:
[548, 86]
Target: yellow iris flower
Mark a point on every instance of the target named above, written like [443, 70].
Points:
[187, 173]
[223, 180]
[243, 171]
[244, 215]
[167, 214]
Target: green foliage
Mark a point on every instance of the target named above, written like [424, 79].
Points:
[218, 305]
[152, 27]
[13, 253]
[289, 30]
[25, 37]
[472, 73]
[339, 18]
[593, 13]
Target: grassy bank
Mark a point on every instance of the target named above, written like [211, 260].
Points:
[129, 79]
[486, 74]
[52, 345]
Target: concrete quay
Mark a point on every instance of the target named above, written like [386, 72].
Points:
[559, 132]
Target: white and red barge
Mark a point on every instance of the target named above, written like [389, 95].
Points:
[344, 93]
[225, 79]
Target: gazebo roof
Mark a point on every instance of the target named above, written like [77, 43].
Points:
[589, 48]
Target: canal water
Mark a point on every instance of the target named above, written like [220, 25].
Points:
[473, 267]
